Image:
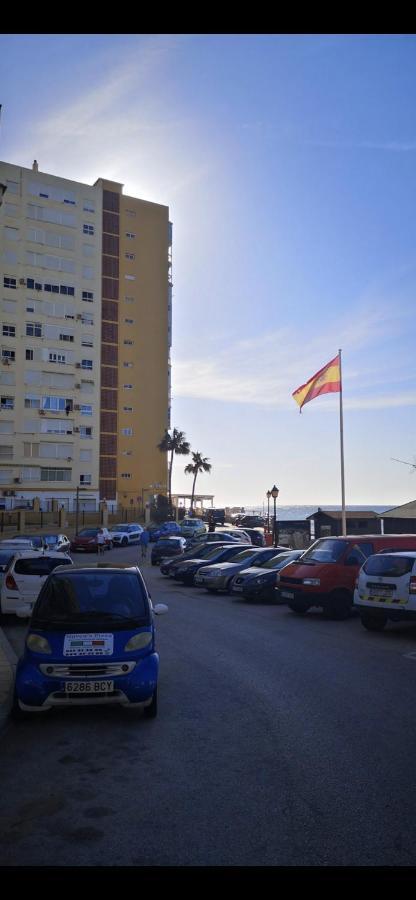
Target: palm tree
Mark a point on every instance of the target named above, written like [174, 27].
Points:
[199, 464]
[173, 443]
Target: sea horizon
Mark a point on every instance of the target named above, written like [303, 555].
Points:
[299, 511]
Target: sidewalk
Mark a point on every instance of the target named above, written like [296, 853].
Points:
[8, 662]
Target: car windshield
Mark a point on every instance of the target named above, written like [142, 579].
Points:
[123, 528]
[325, 551]
[390, 566]
[244, 554]
[90, 599]
[88, 532]
[36, 541]
[169, 542]
[276, 562]
[50, 538]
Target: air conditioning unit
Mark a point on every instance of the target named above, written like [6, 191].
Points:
[79, 315]
[22, 280]
[17, 480]
[41, 412]
[77, 365]
[76, 430]
[77, 406]
[77, 387]
[69, 459]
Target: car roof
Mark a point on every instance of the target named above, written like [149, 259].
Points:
[92, 570]
[411, 553]
[30, 554]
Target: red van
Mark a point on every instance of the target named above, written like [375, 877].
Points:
[325, 575]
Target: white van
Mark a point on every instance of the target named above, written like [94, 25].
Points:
[25, 575]
[386, 589]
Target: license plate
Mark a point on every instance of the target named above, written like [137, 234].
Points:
[287, 594]
[89, 687]
[381, 591]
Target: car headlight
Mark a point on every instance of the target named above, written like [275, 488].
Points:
[260, 580]
[313, 581]
[38, 644]
[139, 641]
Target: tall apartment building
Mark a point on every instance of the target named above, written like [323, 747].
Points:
[85, 341]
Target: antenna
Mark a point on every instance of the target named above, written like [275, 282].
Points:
[412, 465]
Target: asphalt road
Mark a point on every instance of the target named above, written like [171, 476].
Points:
[280, 741]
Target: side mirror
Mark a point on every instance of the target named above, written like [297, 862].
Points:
[160, 609]
[24, 612]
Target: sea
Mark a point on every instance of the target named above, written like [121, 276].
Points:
[287, 513]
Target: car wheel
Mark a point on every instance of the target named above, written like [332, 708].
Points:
[300, 607]
[150, 712]
[373, 622]
[124, 542]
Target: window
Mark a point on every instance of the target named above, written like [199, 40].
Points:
[9, 282]
[56, 426]
[29, 354]
[130, 277]
[130, 343]
[85, 479]
[12, 187]
[128, 365]
[55, 474]
[56, 404]
[9, 330]
[6, 451]
[57, 358]
[34, 329]
[9, 355]
[87, 272]
[87, 229]
[32, 402]
[88, 206]
[127, 409]
[129, 299]
[127, 432]
[66, 337]
[127, 453]
[87, 343]
[86, 409]
[126, 475]
[29, 473]
[85, 455]
[130, 235]
[128, 387]
[85, 431]
[6, 402]
[88, 296]
[130, 212]
[130, 256]
[129, 321]
[86, 319]
[11, 234]
[86, 364]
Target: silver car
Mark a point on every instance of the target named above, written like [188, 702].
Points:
[219, 577]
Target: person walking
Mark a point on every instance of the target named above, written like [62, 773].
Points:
[100, 541]
[144, 541]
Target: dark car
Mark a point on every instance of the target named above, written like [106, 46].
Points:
[91, 640]
[169, 546]
[229, 535]
[38, 541]
[86, 540]
[250, 521]
[201, 550]
[258, 583]
[165, 530]
[187, 569]
[256, 536]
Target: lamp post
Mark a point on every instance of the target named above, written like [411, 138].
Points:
[275, 493]
[268, 495]
[77, 507]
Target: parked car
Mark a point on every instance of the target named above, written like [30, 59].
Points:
[164, 530]
[187, 569]
[37, 540]
[219, 577]
[91, 641]
[215, 514]
[325, 575]
[386, 589]
[167, 546]
[226, 536]
[6, 556]
[251, 521]
[57, 542]
[258, 583]
[192, 528]
[86, 539]
[18, 544]
[122, 535]
[256, 536]
[200, 551]
[25, 575]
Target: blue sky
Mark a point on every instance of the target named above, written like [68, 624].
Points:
[288, 165]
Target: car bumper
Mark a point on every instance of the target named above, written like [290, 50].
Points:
[38, 692]
[219, 582]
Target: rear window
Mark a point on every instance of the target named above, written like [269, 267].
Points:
[389, 566]
[105, 598]
[5, 558]
[88, 532]
[41, 566]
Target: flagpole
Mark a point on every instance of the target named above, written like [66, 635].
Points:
[341, 437]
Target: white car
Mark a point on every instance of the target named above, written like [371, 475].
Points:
[386, 589]
[122, 535]
[25, 575]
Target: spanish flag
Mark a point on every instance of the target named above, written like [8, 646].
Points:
[326, 381]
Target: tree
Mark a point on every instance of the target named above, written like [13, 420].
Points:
[173, 443]
[199, 464]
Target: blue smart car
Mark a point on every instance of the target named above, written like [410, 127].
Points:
[91, 641]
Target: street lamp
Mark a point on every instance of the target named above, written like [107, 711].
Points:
[268, 495]
[274, 493]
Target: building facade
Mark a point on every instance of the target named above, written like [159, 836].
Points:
[85, 341]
